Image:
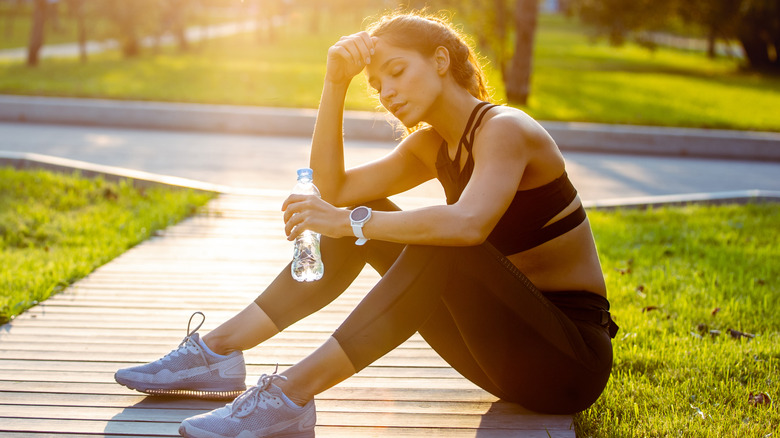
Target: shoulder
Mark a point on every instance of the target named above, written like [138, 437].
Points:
[510, 134]
[423, 143]
[425, 136]
[512, 126]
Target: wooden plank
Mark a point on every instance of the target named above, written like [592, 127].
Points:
[341, 391]
[325, 404]
[358, 381]
[40, 370]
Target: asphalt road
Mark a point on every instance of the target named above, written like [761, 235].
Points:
[266, 162]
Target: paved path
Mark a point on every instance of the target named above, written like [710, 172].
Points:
[252, 161]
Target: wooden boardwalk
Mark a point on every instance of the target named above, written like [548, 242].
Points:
[57, 360]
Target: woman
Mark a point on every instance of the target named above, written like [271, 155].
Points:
[504, 281]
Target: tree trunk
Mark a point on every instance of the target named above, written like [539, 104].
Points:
[179, 23]
[756, 52]
[36, 33]
[518, 78]
[712, 42]
[500, 34]
[81, 26]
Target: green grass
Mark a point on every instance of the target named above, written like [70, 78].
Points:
[55, 229]
[671, 377]
[578, 80]
[574, 79]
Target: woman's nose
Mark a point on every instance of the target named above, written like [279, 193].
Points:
[387, 93]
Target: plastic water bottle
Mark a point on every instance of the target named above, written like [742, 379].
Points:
[307, 259]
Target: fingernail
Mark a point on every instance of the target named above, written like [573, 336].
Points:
[371, 51]
[368, 60]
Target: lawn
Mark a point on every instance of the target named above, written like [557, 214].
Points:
[574, 78]
[56, 229]
[683, 284]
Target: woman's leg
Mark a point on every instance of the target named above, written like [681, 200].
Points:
[527, 350]
[286, 300]
[443, 335]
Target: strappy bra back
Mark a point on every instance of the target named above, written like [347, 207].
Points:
[524, 224]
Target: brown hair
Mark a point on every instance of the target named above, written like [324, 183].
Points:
[425, 33]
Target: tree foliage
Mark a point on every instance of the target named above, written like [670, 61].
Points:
[754, 23]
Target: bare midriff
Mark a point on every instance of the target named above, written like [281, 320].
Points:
[568, 262]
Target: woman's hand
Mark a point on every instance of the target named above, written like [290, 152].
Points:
[309, 212]
[348, 57]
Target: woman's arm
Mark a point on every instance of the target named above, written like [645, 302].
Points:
[346, 59]
[500, 160]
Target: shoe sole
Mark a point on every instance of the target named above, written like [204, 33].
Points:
[199, 433]
[187, 393]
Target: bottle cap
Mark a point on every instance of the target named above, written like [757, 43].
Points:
[305, 173]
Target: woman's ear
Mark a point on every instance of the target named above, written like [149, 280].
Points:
[442, 58]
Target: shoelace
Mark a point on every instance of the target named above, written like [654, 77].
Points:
[188, 343]
[257, 396]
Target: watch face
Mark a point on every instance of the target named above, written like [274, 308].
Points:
[359, 214]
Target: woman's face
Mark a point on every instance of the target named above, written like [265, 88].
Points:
[406, 80]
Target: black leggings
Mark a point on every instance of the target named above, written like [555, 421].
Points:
[550, 352]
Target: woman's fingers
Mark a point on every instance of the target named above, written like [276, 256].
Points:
[297, 209]
[291, 225]
[348, 56]
[359, 46]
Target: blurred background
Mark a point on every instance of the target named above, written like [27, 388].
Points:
[694, 63]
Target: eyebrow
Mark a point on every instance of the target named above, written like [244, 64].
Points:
[383, 67]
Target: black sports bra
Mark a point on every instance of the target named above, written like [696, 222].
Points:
[522, 226]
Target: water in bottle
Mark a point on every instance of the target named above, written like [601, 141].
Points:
[307, 259]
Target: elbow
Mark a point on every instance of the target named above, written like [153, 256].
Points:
[330, 195]
[472, 240]
[474, 233]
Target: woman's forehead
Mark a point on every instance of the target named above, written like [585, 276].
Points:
[385, 54]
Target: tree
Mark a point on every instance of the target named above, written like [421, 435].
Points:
[619, 19]
[37, 31]
[174, 18]
[77, 10]
[714, 16]
[517, 79]
[131, 21]
[755, 23]
[758, 30]
[504, 31]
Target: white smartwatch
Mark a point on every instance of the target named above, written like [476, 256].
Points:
[358, 217]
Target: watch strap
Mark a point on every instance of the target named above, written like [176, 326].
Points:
[359, 234]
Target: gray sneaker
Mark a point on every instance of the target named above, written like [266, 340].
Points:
[189, 371]
[263, 411]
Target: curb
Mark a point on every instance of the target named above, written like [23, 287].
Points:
[570, 136]
[712, 198]
[30, 161]
[186, 116]
[21, 160]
